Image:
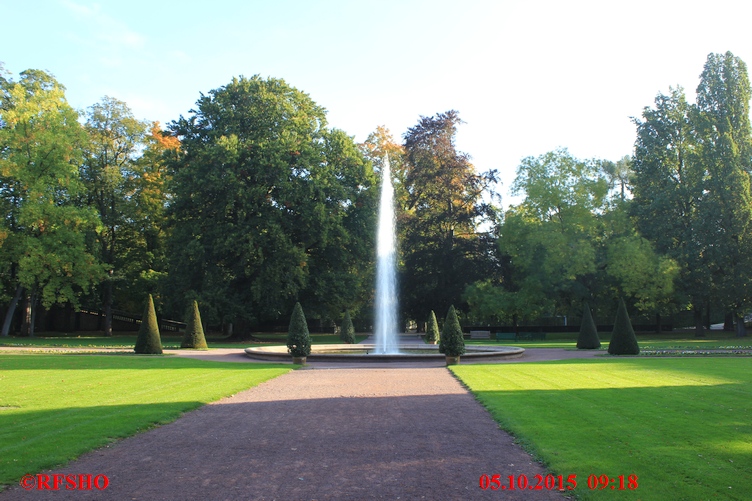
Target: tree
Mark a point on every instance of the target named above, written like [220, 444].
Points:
[452, 342]
[623, 339]
[588, 337]
[269, 206]
[109, 173]
[298, 338]
[550, 241]
[149, 341]
[668, 187]
[433, 336]
[43, 255]
[725, 144]
[347, 331]
[194, 331]
[442, 248]
[618, 174]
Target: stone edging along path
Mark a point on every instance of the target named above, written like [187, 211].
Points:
[387, 432]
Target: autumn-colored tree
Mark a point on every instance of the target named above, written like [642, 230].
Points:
[43, 257]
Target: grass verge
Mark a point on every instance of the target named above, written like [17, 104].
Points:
[683, 426]
[54, 408]
[123, 340]
[678, 340]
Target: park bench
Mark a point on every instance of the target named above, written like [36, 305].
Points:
[506, 336]
[480, 334]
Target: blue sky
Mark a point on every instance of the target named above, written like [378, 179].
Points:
[526, 77]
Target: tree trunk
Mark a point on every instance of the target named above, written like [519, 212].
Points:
[658, 326]
[699, 329]
[25, 316]
[108, 306]
[32, 328]
[741, 329]
[27, 325]
[728, 322]
[11, 311]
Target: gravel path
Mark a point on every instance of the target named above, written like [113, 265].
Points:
[344, 433]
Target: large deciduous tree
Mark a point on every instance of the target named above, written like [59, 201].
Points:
[43, 253]
[269, 205]
[668, 188]
[442, 248]
[109, 173]
[725, 144]
[691, 186]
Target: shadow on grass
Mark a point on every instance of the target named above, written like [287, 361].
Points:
[33, 440]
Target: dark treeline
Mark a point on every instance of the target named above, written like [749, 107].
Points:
[252, 203]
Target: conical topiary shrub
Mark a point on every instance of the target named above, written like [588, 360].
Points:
[623, 340]
[346, 330]
[298, 338]
[194, 331]
[588, 338]
[432, 329]
[149, 341]
[452, 344]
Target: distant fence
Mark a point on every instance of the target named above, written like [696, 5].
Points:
[563, 328]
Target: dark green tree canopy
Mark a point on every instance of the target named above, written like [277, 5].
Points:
[269, 205]
[443, 206]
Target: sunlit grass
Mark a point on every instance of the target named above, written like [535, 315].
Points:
[53, 408]
[683, 426]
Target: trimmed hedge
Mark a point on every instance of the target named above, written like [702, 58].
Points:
[588, 338]
[346, 330]
[433, 335]
[194, 331]
[149, 341]
[298, 338]
[623, 339]
[452, 342]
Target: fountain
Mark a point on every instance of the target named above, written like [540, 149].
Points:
[386, 347]
[385, 329]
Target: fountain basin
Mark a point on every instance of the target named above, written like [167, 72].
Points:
[365, 353]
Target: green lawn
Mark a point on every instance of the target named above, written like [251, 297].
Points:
[683, 340]
[682, 425]
[53, 408]
[123, 340]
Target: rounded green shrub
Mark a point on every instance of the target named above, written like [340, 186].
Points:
[432, 329]
[347, 330]
[194, 331]
[148, 341]
[588, 338]
[623, 339]
[298, 338]
[452, 342]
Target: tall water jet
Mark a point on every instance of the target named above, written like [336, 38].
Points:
[385, 328]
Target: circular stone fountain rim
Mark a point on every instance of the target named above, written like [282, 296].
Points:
[474, 352]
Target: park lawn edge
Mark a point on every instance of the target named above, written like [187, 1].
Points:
[55, 456]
